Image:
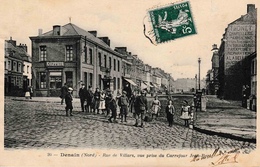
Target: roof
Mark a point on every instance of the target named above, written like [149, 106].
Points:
[17, 52]
[72, 30]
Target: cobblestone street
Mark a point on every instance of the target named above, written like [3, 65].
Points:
[38, 125]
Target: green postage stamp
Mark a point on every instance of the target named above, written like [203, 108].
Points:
[170, 22]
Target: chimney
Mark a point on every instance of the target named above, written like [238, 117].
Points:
[23, 46]
[13, 42]
[106, 40]
[121, 50]
[250, 8]
[56, 30]
[93, 33]
[39, 32]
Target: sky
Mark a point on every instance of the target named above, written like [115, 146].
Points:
[122, 22]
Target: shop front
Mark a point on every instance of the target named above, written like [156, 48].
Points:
[50, 79]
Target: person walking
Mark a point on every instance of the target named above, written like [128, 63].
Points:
[63, 92]
[140, 108]
[156, 106]
[185, 112]
[90, 100]
[96, 100]
[82, 96]
[118, 108]
[123, 104]
[68, 102]
[170, 110]
[112, 106]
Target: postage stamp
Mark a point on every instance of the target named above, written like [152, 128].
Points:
[170, 22]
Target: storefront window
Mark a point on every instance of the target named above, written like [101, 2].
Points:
[43, 53]
[90, 79]
[43, 80]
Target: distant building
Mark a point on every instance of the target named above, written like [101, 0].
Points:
[238, 42]
[17, 68]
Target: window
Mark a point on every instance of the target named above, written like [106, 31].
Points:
[114, 79]
[253, 67]
[90, 61]
[118, 65]
[14, 66]
[55, 80]
[28, 68]
[5, 64]
[43, 53]
[9, 65]
[85, 56]
[86, 78]
[105, 60]
[42, 80]
[99, 59]
[118, 83]
[99, 81]
[114, 64]
[90, 79]
[19, 68]
[110, 62]
[69, 53]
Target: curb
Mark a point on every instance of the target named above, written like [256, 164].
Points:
[226, 135]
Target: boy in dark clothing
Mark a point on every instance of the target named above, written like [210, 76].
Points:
[63, 92]
[112, 106]
[68, 101]
[140, 108]
[90, 99]
[123, 104]
[82, 96]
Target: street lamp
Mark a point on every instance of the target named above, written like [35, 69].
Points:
[199, 60]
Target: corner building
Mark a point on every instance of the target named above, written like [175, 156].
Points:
[238, 42]
[69, 54]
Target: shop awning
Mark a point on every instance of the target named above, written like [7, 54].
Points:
[130, 81]
[154, 85]
[148, 84]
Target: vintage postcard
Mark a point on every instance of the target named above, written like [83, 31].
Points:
[129, 83]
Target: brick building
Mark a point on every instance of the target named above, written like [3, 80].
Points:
[17, 68]
[69, 54]
[238, 42]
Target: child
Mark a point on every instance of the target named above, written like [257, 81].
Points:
[156, 105]
[170, 110]
[68, 101]
[112, 106]
[185, 112]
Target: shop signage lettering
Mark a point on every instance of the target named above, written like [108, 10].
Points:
[54, 64]
[240, 42]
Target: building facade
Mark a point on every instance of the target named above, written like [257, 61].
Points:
[71, 55]
[17, 68]
[238, 42]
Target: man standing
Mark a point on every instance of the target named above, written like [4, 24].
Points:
[82, 96]
[68, 101]
[140, 108]
[90, 99]
[63, 92]
[123, 103]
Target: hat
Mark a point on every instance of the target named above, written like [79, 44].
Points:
[70, 89]
[82, 84]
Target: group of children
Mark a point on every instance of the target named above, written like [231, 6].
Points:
[106, 102]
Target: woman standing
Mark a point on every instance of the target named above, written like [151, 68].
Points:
[185, 112]
[156, 105]
[170, 110]
[102, 104]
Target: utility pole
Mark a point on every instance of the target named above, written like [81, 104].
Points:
[199, 60]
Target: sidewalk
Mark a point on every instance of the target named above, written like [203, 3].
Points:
[227, 119]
